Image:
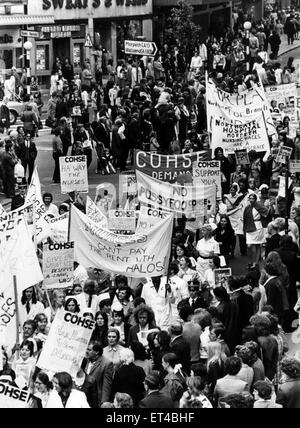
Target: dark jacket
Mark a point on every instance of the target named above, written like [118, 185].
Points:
[182, 350]
[272, 243]
[126, 333]
[101, 134]
[156, 400]
[98, 383]
[30, 120]
[274, 295]
[289, 394]
[129, 379]
[26, 153]
[134, 330]
[4, 116]
[249, 224]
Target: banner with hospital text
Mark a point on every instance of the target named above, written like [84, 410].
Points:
[232, 137]
[150, 217]
[169, 168]
[188, 200]
[238, 108]
[136, 256]
[66, 343]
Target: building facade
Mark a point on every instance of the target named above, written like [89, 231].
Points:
[78, 24]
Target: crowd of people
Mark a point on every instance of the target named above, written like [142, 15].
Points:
[185, 340]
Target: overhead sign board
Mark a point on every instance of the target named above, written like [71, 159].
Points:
[134, 47]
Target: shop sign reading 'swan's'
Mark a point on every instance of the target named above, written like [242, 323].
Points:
[84, 4]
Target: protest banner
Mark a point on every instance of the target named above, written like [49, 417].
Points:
[73, 174]
[168, 168]
[127, 182]
[208, 174]
[18, 258]
[93, 212]
[58, 265]
[149, 218]
[106, 197]
[282, 98]
[238, 108]
[282, 184]
[242, 157]
[284, 154]
[293, 127]
[248, 135]
[34, 197]
[221, 277]
[188, 200]
[8, 318]
[122, 221]
[135, 256]
[12, 397]
[294, 167]
[10, 220]
[59, 228]
[2, 210]
[66, 343]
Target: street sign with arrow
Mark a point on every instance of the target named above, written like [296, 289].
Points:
[140, 48]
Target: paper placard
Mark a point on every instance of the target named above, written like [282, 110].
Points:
[122, 221]
[283, 154]
[12, 397]
[208, 174]
[73, 174]
[66, 343]
[58, 265]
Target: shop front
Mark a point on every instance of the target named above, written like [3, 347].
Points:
[107, 23]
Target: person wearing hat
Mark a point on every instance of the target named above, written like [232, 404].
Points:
[194, 301]
[154, 398]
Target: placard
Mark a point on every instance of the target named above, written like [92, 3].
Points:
[242, 157]
[284, 154]
[208, 174]
[58, 265]
[122, 221]
[294, 167]
[149, 218]
[282, 99]
[221, 277]
[66, 343]
[12, 397]
[73, 174]
[59, 228]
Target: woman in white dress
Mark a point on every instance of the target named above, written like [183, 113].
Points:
[255, 233]
[207, 248]
[64, 396]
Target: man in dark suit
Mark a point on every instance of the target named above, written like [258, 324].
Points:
[155, 399]
[180, 347]
[98, 376]
[195, 301]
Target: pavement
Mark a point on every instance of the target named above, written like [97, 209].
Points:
[285, 47]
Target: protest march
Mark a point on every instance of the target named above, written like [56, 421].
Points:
[158, 267]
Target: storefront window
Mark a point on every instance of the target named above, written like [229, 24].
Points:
[42, 58]
[78, 54]
[6, 58]
[128, 30]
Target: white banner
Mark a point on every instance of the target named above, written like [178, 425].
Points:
[238, 108]
[128, 183]
[231, 137]
[9, 221]
[18, 258]
[2, 210]
[66, 343]
[12, 397]
[8, 318]
[58, 265]
[122, 221]
[59, 228]
[282, 99]
[149, 218]
[34, 196]
[73, 174]
[93, 212]
[208, 174]
[189, 200]
[132, 255]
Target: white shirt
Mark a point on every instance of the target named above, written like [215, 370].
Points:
[77, 400]
[196, 62]
[205, 247]
[52, 209]
[83, 302]
[80, 275]
[158, 302]
[35, 309]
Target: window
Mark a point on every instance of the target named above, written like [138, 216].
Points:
[42, 58]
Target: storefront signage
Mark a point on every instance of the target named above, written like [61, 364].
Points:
[84, 4]
[62, 31]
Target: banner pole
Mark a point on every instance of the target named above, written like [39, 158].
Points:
[69, 223]
[34, 225]
[17, 315]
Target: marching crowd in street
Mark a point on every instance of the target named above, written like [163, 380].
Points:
[184, 340]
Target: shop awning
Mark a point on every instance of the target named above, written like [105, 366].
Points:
[17, 20]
